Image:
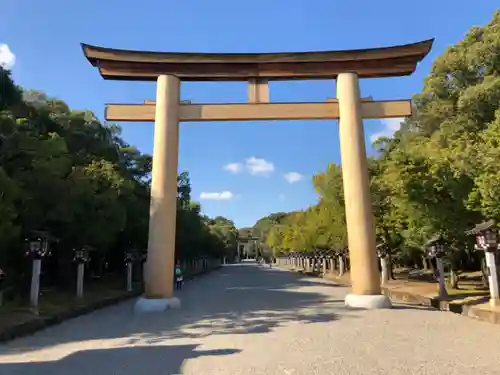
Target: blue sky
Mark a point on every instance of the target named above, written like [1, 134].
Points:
[45, 38]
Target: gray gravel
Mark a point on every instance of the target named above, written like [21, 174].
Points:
[247, 319]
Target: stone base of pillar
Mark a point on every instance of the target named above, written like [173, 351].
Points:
[360, 301]
[147, 305]
[495, 302]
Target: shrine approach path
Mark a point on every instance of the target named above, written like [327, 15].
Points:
[249, 319]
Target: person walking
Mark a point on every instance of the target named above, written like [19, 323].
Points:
[179, 276]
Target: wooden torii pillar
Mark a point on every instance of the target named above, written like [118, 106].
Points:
[168, 69]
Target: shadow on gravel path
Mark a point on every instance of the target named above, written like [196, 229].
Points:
[237, 299]
[153, 360]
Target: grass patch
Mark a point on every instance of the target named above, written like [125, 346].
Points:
[55, 302]
[470, 292]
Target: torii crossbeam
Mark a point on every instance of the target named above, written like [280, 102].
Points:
[168, 69]
[257, 111]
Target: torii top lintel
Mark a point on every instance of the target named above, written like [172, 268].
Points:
[147, 66]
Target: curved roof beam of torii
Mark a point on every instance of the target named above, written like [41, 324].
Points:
[147, 66]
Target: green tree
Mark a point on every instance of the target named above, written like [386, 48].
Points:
[63, 171]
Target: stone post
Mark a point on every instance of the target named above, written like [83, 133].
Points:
[159, 268]
[492, 278]
[385, 269]
[442, 286]
[35, 282]
[80, 273]
[365, 276]
[129, 276]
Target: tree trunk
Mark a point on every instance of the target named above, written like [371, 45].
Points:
[433, 267]
[390, 265]
[425, 264]
[66, 270]
[440, 271]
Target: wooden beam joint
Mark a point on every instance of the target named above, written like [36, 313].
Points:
[258, 90]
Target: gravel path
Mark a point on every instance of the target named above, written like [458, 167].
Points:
[246, 319]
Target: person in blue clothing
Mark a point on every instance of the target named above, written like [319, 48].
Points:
[179, 276]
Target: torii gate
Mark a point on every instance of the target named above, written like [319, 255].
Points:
[168, 69]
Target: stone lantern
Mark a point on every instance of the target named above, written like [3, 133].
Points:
[325, 258]
[487, 240]
[298, 260]
[322, 261]
[314, 260]
[340, 257]
[310, 261]
[383, 252]
[330, 256]
[37, 247]
[131, 256]
[436, 249]
[294, 260]
[305, 260]
[81, 257]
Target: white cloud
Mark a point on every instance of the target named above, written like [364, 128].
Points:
[390, 126]
[292, 177]
[259, 167]
[233, 167]
[7, 58]
[222, 196]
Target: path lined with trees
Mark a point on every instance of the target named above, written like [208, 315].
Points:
[65, 173]
[249, 319]
[439, 174]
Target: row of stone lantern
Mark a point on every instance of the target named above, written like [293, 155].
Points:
[307, 260]
[38, 246]
[487, 240]
[317, 259]
[434, 250]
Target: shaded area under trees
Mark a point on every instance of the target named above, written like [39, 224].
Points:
[64, 172]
